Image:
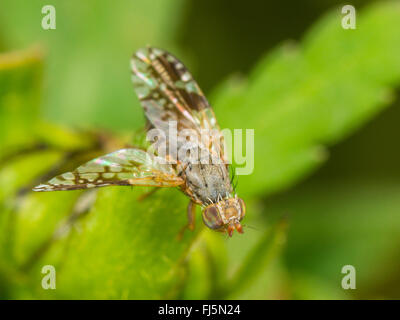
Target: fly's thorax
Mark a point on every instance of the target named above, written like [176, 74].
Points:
[225, 215]
[208, 183]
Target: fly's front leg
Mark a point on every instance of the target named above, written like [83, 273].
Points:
[148, 194]
[182, 171]
[191, 213]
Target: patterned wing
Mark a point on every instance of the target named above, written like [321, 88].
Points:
[167, 91]
[125, 167]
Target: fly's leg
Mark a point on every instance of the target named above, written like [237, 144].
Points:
[147, 194]
[191, 213]
[182, 171]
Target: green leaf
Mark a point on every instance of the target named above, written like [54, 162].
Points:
[87, 73]
[20, 83]
[258, 259]
[345, 222]
[125, 248]
[302, 97]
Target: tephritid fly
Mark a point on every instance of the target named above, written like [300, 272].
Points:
[168, 93]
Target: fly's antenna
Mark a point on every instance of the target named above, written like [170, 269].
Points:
[251, 227]
[211, 202]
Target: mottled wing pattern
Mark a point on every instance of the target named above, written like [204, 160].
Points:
[125, 167]
[167, 91]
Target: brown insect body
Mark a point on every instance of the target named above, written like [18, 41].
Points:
[209, 186]
[168, 93]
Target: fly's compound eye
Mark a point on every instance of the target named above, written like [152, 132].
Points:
[212, 218]
[242, 209]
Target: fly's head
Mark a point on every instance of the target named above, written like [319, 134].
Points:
[225, 215]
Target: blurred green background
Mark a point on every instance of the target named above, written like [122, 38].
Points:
[321, 99]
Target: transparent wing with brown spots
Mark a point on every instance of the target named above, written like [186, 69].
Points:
[125, 167]
[168, 92]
